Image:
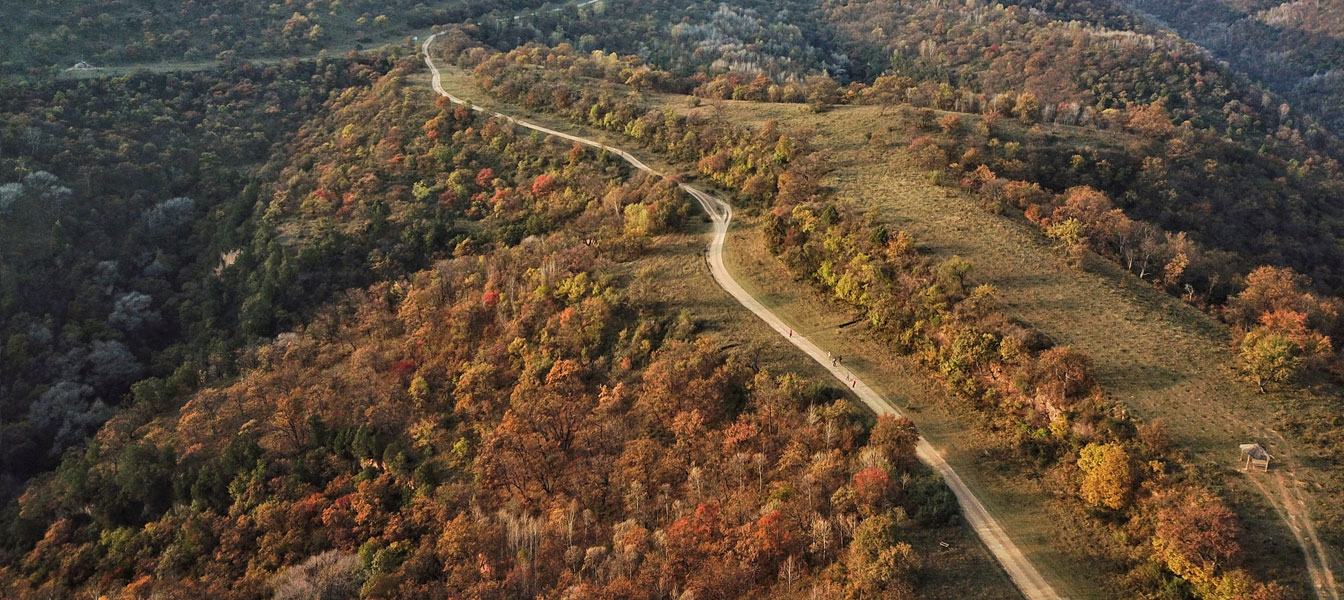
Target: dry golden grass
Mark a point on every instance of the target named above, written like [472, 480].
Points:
[1158, 356]
[1045, 528]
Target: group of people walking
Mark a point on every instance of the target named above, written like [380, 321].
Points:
[835, 362]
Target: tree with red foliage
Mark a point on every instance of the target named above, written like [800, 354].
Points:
[490, 298]
[485, 176]
[870, 489]
[402, 368]
[448, 198]
[774, 538]
[693, 538]
[543, 185]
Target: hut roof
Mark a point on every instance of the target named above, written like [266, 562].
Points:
[1256, 451]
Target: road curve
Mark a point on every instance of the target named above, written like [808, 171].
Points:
[1024, 575]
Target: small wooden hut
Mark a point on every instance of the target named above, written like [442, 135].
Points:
[1254, 456]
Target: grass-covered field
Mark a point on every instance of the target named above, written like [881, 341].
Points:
[1160, 357]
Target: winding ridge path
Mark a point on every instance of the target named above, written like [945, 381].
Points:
[1024, 575]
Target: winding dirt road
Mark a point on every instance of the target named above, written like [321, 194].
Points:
[1024, 575]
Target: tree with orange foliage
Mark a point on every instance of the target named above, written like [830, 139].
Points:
[1285, 324]
[1270, 288]
[1150, 121]
[693, 538]
[1195, 535]
[895, 437]
[951, 125]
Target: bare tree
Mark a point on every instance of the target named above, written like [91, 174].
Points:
[571, 515]
[789, 570]
[327, 576]
[33, 135]
[823, 536]
[759, 460]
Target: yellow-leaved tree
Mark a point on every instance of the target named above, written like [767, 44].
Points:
[1108, 476]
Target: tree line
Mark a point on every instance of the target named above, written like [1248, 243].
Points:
[1283, 323]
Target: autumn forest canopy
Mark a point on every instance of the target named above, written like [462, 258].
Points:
[279, 321]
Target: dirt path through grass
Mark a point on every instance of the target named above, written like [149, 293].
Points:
[1160, 357]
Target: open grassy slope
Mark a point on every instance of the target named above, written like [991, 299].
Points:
[1162, 358]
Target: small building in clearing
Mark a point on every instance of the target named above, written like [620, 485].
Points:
[1253, 456]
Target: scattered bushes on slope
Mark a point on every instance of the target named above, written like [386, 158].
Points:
[1044, 399]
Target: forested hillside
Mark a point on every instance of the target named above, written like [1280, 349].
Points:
[512, 421]
[1251, 173]
[301, 328]
[1292, 47]
[120, 200]
[46, 36]
[1194, 175]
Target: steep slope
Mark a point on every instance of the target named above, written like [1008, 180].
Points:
[1293, 48]
[117, 199]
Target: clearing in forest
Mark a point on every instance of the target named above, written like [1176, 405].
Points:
[1160, 357]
